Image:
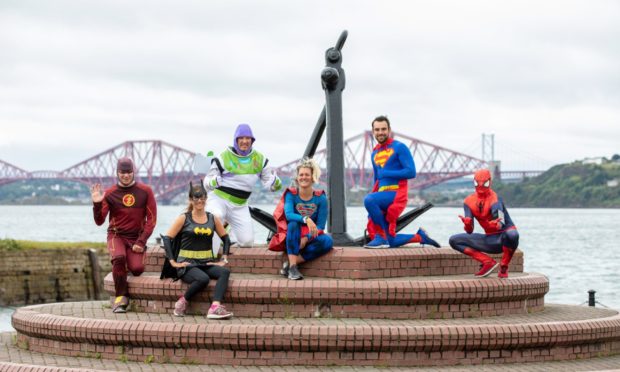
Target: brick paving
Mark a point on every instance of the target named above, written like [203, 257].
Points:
[13, 358]
[101, 310]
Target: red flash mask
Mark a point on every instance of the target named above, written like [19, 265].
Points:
[482, 182]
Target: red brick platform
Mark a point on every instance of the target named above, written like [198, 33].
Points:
[393, 307]
[90, 328]
[354, 263]
[270, 296]
[16, 359]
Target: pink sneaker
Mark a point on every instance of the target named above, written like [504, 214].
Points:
[180, 306]
[219, 312]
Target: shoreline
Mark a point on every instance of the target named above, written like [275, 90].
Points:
[348, 205]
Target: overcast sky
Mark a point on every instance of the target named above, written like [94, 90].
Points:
[79, 77]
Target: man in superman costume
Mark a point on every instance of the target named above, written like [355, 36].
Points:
[392, 165]
[500, 235]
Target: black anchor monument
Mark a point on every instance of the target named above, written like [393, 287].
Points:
[333, 82]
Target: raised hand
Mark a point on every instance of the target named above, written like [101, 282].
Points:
[276, 185]
[468, 224]
[96, 194]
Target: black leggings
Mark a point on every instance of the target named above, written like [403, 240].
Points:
[198, 277]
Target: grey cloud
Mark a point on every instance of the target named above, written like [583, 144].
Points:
[189, 72]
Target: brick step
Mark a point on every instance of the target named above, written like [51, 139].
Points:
[13, 358]
[90, 329]
[353, 262]
[273, 296]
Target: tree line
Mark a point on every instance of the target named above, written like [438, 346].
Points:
[574, 185]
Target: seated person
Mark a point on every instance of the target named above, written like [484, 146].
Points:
[392, 166]
[195, 262]
[306, 214]
[500, 232]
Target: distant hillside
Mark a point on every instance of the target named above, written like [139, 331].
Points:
[574, 185]
[44, 192]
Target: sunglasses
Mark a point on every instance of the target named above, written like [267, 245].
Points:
[197, 198]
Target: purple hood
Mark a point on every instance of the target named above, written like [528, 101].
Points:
[243, 130]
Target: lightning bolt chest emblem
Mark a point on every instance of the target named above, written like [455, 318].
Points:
[129, 200]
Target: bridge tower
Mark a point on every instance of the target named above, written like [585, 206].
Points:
[488, 155]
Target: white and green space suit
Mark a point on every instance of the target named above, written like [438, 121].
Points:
[230, 181]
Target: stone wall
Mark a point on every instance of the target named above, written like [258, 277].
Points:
[36, 276]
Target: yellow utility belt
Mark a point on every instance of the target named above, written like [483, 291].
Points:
[198, 255]
[388, 188]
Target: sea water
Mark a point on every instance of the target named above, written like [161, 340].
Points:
[578, 249]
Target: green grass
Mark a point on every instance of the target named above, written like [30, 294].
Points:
[17, 245]
[186, 360]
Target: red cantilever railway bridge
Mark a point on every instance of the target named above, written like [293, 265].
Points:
[168, 168]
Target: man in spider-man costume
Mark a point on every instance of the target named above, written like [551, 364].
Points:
[500, 232]
[392, 166]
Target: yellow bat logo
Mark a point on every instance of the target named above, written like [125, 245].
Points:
[202, 231]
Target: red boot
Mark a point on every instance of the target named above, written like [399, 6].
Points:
[488, 264]
[506, 257]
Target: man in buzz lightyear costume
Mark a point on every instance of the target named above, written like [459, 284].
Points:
[230, 181]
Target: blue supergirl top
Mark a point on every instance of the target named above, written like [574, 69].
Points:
[315, 208]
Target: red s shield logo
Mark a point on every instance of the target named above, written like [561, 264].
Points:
[382, 156]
